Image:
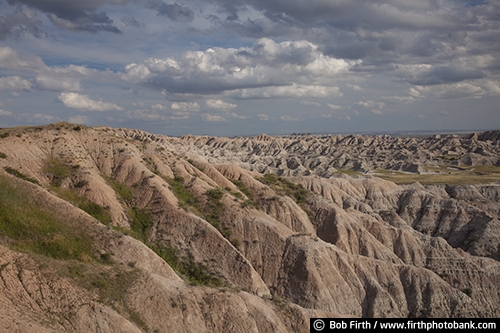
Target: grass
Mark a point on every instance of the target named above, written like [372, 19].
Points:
[29, 227]
[443, 175]
[58, 171]
[186, 199]
[214, 207]
[251, 199]
[122, 191]
[20, 175]
[3, 155]
[109, 283]
[194, 272]
[96, 211]
[348, 172]
[285, 187]
[140, 224]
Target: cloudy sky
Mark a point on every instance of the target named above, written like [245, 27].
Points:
[244, 67]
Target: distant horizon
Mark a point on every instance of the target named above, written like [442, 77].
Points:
[417, 133]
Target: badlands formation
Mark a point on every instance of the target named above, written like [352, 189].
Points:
[118, 230]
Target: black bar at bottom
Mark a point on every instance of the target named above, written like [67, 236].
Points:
[423, 325]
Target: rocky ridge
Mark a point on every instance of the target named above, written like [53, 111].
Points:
[196, 240]
[323, 155]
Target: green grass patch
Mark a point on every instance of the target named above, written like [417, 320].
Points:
[96, 211]
[214, 207]
[33, 228]
[110, 283]
[285, 187]
[20, 175]
[124, 192]
[186, 199]
[3, 155]
[251, 199]
[194, 272]
[348, 172]
[141, 223]
[58, 170]
[445, 175]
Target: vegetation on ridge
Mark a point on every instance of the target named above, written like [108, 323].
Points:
[34, 228]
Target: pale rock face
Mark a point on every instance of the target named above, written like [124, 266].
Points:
[360, 247]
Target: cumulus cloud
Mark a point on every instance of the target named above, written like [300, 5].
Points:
[54, 83]
[294, 90]
[218, 104]
[213, 117]
[5, 113]
[289, 118]
[84, 103]
[371, 104]
[10, 59]
[185, 106]
[263, 117]
[14, 83]
[295, 68]
[237, 116]
[333, 106]
[311, 103]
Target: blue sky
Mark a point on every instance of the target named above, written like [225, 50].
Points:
[244, 67]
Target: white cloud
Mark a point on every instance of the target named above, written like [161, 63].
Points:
[266, 65]
[375, 111]
[57, 84]
[213, 117]
[158, 107]
[218, 104]
[10, 59]
[145, 115]
[84, 103]
[185, 106]
[289, 118]
[14, 83]
[334, 106]
[294, 90]
[354, 87]
[310, 103]
[238, 116]
[263, 117]
[371, 104]
[5, 113]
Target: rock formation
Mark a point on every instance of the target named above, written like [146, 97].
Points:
[195, 234]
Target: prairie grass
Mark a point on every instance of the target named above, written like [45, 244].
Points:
[96, 211]
[30, 227]
[445, 175]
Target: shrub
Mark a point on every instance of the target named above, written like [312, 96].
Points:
[3, 155]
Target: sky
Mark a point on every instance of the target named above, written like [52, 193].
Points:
[246, 67]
